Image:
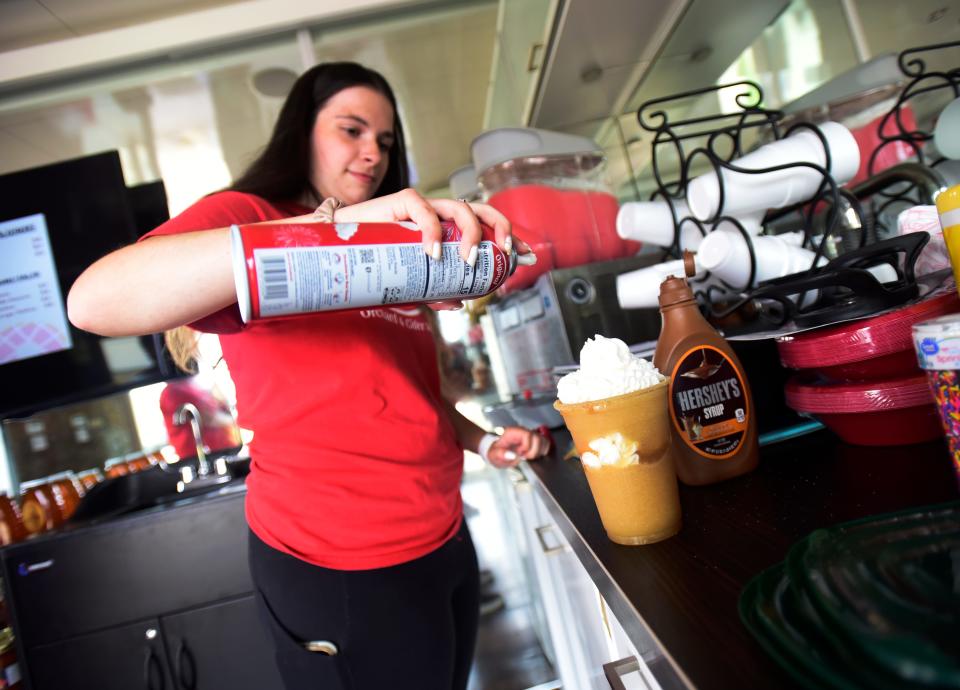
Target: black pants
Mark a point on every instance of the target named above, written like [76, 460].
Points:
[412, 625]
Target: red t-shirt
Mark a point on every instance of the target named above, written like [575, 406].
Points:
[355, 464]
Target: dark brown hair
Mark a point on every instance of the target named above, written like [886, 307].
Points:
[281, 173]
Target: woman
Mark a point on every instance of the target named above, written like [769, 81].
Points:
[363, 566]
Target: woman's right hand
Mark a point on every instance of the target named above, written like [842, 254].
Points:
[427, 214]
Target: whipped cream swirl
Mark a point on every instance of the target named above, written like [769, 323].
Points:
[607, 368]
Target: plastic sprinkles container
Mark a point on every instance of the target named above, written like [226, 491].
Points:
[937, 343]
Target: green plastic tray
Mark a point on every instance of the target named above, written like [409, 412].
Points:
[789, 629]
[891, 588]
[873, 603]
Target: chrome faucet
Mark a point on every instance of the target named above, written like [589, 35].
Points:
[180, 417]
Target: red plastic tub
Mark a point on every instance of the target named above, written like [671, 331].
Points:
[873, 349]
[893, 412]
[577, 226]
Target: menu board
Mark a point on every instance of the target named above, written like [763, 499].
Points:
[33, 320]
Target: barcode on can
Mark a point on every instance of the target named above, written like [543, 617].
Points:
[273, 274]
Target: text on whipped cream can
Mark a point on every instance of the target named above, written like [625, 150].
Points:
[284, 269]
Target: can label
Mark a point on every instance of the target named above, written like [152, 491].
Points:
[708, 402]
[295, 268]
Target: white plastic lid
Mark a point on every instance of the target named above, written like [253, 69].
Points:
[240, 277]
[498, 145]
[937, 343]
[940, 326]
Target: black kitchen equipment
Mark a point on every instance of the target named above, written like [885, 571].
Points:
[845, 288]
[161, 483]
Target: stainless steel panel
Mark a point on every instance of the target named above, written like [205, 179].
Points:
[545, 326]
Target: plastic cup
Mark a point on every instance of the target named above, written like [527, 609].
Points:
[652, 222]
[937, 343]
[725, 253]
[638, 503]
[639, 289]
[746, 193]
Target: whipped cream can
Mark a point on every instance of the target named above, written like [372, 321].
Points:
[284, 269]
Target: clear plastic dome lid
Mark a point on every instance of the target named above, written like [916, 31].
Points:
[514, 156]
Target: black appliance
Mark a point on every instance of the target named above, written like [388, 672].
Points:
[74, 211]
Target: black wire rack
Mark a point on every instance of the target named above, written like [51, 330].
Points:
[921, 80]
[898, 128]
[834, 220]
[713, 141]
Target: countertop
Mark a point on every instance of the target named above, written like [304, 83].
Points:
[683, 592]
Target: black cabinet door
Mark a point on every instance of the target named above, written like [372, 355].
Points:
[129, 657]
[129, 569]
[220, 646]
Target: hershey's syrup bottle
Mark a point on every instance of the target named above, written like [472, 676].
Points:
[711, 408]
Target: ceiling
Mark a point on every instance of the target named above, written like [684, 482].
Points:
[445, 58]
[436, 55]
[30, 22]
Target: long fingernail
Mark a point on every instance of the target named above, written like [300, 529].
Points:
[472, 256]
[508, 244]
[509, 455]
[436, 251]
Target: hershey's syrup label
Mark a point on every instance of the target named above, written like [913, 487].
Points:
[708, 402]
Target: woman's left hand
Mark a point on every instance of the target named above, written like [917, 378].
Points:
[516, 444]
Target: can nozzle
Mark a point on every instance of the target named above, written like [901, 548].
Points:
[526, 259]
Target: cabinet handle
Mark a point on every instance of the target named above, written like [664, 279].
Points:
[616, 670]
[547, 550]
[535, 48]
[152, 669]
[322, 647]
[184, 669]
[516, 476]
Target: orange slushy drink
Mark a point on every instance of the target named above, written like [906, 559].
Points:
[624, 444]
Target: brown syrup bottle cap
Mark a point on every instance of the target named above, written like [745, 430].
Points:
[673, 289]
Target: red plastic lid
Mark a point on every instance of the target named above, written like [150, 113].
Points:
[864, 339]
[892, 394]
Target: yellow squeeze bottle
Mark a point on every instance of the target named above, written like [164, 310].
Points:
[948, 206]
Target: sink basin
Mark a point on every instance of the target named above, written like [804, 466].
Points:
[154, 486]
